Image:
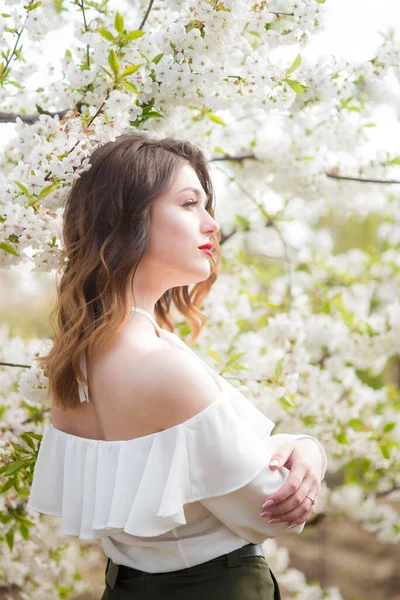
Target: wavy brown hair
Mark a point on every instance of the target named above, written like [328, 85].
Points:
[106, 223]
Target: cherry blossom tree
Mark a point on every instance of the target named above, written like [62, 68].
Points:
[305, 316]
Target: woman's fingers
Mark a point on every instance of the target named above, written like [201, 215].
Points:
[301, 513]
[281, 456]
[297, 504]
[290, 487]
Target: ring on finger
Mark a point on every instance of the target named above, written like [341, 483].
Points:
[313, 501]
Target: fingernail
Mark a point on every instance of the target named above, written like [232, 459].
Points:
[276, 520]
[266, 513]
[274, 463]
[292, 525]
[268, 503]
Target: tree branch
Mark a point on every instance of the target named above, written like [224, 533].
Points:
[146, 15]
[384, 181]
[241, 157]
[12, 117]
[281, 14]
[82, 7]
[7, 364]
[12, 53]
[383, 494]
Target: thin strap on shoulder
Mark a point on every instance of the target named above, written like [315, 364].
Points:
[149, 316]
[82, 386]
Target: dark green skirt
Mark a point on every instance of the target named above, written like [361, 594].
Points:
[227, 577]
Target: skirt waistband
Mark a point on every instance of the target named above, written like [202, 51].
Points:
[233, 560]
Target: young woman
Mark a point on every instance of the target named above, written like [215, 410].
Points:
[149, 449]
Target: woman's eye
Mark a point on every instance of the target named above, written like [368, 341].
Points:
[191, 203]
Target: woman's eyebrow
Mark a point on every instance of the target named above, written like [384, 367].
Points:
[195, 191]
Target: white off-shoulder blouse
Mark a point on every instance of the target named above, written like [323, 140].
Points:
[171, 499]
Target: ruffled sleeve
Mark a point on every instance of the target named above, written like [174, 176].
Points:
[219, 457]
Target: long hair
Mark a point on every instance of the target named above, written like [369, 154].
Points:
[106, 224]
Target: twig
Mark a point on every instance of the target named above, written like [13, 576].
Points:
[36, 415]
[9, 59]
[233, 158]
[146, 15]
[29, 119]
[384, 181]
[287, 261]
[271, 223]
[281, 14]
[82, 6]
[387, 492]
[7, 364]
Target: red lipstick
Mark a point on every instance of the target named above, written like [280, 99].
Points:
[206, 248]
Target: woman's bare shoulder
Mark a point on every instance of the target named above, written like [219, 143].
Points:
[143, 388]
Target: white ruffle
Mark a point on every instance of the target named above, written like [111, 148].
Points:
[140, 486]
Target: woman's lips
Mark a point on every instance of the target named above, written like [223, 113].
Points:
[206, 251]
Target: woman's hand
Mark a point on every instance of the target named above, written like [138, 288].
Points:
[292, 502]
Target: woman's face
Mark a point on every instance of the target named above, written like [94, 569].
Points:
[178, 227]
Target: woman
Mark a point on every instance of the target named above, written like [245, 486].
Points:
[150, 449]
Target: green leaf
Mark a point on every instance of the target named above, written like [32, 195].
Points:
[113, 62]
[10, 538]
[235, 356]
[157, 58]
[8, 485]
[385, 450]
[16, 465]
[47, 190]
[23, 188]
[106, 34]
[5, 518]
[395, 161]
[357, 424]
[28, 440]
[20, 448]
[15, 84]
[130, 70]
[68, 53]
[25, 521]
[119, 22]
[154, 113]
[32, 434]
[131, 87]
[216, 119]
[295, 65]
[8, 248]
[296, 86]
[388, 427]
[214, 355]
[286, 403]
[320, 1]
[243, 222]
[34, 5]
[24, 531]
[341, 437]
[106, 71]
[279, 367]
[133, 35]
